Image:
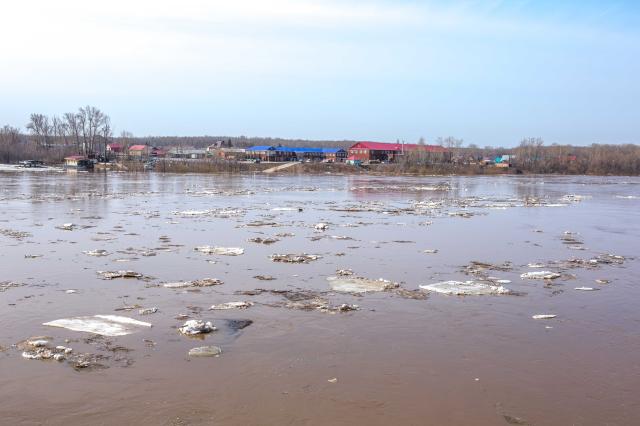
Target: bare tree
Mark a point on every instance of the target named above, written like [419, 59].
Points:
[73, 127]
[529, 153]
[9, 140]
[87, 126]
[40, 127]
[451, 143]
[60, 129]
[105, 133]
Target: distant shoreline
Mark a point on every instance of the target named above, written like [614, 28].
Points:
[311, 169]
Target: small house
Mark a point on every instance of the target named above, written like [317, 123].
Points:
[139, 151]
[334, 155]
[78, 162]
[115, 148]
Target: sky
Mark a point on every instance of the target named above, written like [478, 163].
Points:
[489, 72]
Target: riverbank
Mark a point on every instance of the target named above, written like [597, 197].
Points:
[220, 167]
[190, 166]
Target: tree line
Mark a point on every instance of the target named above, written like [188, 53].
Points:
[86, 131]
[89, 130]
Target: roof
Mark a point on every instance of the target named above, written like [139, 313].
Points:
[138, 147]
[114, 145]
[301, 149]
[261, 148]
[298, 149]
[381, 146]
[75, 157]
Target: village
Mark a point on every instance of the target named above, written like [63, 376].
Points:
[359, 154]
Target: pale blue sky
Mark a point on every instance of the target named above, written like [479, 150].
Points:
[490, 72]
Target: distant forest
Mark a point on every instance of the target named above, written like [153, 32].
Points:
[236, 141]
[89, 130]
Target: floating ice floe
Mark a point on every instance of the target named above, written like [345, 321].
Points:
[321, 226]
[341, 237]
[498, 280]
[221, 213]
[586, 289]
[430, 251]
[574, 198]
[465, 288]
[18, 235]
[294, 258]
[104, 325]
[260, 240]
[359, 284]
[264, 277]
[231, 305]
[148, 311]
[540, 275]
[543, 316]
[205, 282]
[193, 327]
[39, 350]
[110, 275]
[205, 351]
[6, 285]
[96, 253]
[224, 251]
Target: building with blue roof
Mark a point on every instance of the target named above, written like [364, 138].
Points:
[286, 153]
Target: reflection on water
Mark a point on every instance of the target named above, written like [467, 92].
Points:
[398, 359]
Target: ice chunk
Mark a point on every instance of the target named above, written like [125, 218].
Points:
[359, 284]
[465, 288]
[193, 327]
[96, 253]
[543, 316]
[104, 325]
[231, 305]
[225, 251]
[205, 351]
[540, 275]
[205, 282]
[321, 226]
[294, 258]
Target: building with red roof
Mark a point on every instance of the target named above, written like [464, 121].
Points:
[139, 150]
[115, 148]
[380, 151]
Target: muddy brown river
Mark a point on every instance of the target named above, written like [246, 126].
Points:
[302, 350]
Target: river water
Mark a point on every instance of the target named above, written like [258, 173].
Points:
[404, 357]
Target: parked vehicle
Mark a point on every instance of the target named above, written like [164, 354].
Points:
[31, 163]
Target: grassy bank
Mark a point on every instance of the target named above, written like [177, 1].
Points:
[207, 166]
